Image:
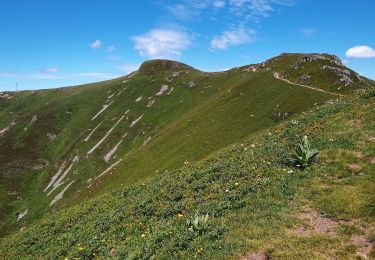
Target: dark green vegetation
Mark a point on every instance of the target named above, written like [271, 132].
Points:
[251, 196]
[304, 155]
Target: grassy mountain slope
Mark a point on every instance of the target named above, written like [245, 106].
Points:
[257, 205]
[197, 114]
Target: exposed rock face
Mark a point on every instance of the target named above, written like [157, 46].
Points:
[316, 57]
[6, 129]
[252, 68]
[342, 73]
[5, 96]
[191, 84]
[21, 215]
[51, 136]
[163, 89]
[305, 77]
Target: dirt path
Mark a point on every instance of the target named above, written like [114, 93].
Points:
[277, 76]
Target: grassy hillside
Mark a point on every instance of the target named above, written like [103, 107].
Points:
[257, 204]
[89, 139]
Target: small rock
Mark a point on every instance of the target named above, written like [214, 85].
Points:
[51, 136]
[191, 84]
[113, 252]
[305, 77]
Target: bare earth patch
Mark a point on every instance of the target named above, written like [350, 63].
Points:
[363, 244]
[355, 122]
[373, 160]
[259, 255]
[355, 167]
[319, 224]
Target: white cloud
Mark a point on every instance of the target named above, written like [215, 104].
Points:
[219, 4]
[162, 43]
[232, 37]
[111, 48]
[96, 44]
[361, 51]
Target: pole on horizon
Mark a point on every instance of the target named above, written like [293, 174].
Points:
[16, 86]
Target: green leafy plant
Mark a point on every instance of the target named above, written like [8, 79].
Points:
[198, 222]
[304, 155]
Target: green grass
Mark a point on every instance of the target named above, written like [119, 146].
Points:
[188, 125]
[252, 197]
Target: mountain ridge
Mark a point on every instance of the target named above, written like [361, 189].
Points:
[111, 128]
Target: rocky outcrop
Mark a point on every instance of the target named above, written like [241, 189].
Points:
[5, 96]
[319, 57]
[191, 84]
[305, 77]
[344, 74]
[162, 90]
[252, 68]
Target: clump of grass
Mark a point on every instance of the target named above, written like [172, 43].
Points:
[198, 222]
[304, 155]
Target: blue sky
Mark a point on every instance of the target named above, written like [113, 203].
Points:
[54, 43]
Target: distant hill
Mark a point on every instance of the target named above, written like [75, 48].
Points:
[60, 146]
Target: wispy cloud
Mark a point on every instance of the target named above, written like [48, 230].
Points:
[245, 9]
[238, 13]
[49, 70]
[96, 44]
[360, 51]
[256, 9]
[162, 43]
[232, 37]
[182, 12]
[113, 58]
[219, 4]
[53, 76]
[23, 75]
[111, 48]
[96, 75]
[308, 32]
[129, 68]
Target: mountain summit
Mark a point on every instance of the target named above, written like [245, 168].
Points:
[161, 66]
